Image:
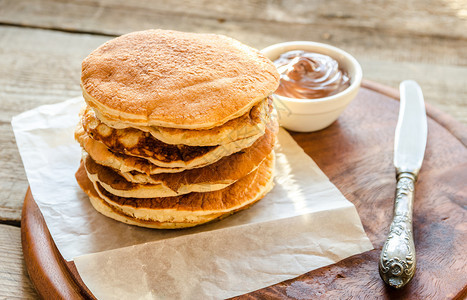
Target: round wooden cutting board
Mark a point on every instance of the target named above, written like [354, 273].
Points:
[356, 153]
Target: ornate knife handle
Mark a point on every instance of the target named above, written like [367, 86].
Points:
[397, 261]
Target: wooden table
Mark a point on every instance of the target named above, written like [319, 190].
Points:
[43, 42]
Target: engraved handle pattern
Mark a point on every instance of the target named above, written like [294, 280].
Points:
[397, 261]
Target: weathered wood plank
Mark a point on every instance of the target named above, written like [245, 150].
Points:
[13, 182]
[14, 281]
[386, 30]
[36, 67]
[444, 86]
[39, 67]
[432, 18]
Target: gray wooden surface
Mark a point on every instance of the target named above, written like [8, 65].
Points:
[42, 43]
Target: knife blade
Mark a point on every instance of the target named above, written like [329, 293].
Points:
[411, 129]
[398, 261]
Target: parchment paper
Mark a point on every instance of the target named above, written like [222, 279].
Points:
[302, 224]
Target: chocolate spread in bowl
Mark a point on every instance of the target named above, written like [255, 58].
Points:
[308, 75]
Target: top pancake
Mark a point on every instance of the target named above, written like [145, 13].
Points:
[176, 79]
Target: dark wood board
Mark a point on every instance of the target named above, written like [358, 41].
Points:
[356, 154]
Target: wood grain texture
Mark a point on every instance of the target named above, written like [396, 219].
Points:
[13, 180]
[49, 273]
[36, 67]
[14, 282]
[434, 17]
[356, 154]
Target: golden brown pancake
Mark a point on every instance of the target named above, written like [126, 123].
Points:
[250, 124]
[177, 131]
[123, 163]
[212, 177]
[176, 79]
[222, 170]
[143, 145]
[185, 210]
[135, 142]
[109, 211]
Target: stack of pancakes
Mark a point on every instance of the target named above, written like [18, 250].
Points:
[177, 129]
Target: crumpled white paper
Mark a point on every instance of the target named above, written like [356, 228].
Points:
[304, 223]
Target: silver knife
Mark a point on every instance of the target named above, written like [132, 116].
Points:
[397, 261]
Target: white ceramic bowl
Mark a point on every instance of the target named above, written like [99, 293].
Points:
[307, 115]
